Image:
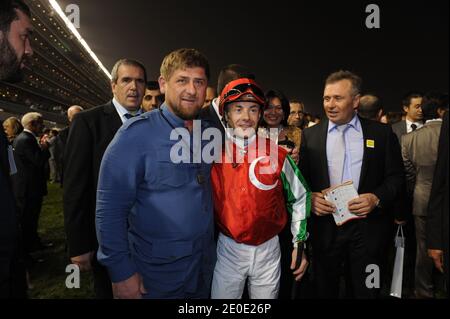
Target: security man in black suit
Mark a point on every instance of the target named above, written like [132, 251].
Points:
[90, 133]
[15, 28]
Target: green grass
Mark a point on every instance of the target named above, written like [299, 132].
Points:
[48, 278]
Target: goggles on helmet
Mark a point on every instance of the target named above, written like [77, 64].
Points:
[238, 88]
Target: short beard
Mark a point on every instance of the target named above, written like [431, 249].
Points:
[9, 64]
[184, 115]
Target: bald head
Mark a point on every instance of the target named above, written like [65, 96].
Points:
[74, 109]
[370, 107]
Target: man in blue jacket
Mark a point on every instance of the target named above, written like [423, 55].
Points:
[154, 217]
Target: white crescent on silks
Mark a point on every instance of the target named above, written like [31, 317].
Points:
[255, 181]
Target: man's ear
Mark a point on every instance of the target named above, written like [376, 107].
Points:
[405, 109]
[380, 114]
[162, 84]
[113, 86]
[356, 100]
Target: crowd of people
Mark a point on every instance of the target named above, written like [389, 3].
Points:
[253, 222]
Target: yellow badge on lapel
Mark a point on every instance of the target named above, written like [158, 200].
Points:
[370, 143]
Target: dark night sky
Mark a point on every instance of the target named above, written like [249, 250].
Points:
[290, 45]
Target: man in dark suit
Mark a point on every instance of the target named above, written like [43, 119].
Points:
[346, 147]
[15, 27]
[90, 133]
[61, 139]
[412, 107]
[438, 207]
[30, 183]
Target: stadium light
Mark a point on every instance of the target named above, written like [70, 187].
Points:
[74, 30]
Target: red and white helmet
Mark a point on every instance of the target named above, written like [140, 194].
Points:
[236, 89]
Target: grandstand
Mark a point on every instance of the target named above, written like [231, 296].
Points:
[61, 72]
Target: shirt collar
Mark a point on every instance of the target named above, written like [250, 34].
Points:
[174, 119]
[240, 142]
[215, 104]
[418, 124]
[355, 123]
[433, 120]
[28, 131]
[122, 111]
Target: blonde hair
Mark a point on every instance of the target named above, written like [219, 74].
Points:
[14, 124]
[28, 118]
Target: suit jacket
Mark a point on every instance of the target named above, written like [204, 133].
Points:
[63, 135]
[438, 207]
[419, 151]
[30, 181]
[60, 145]
[399, 129]
[209, 114]
[381, 174]
[8, 218]
[90, 133]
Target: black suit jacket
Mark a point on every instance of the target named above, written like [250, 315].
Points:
[30, 181]
[90, 133]
[381, 173]
[438, 206]
[210, 115]
[8, 218]
[60, 145]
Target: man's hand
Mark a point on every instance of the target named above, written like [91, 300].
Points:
[84, 262]
[295, 154]
[44, 145]
[300, 271]
[363, 205]
[320, 206]
[399, 222]
[438, 258]
[131, 288]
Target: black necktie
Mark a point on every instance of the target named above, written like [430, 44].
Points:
[129, 116]
[413, 126]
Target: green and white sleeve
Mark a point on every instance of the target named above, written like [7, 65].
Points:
[298, 199]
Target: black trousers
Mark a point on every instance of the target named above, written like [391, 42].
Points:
[349, 247]
[13, 283]
[30, 222]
